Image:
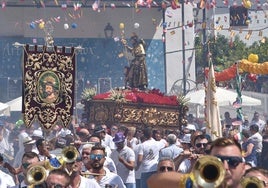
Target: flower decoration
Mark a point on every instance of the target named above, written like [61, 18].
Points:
[117, 95]
[182, 100]
[88, 94]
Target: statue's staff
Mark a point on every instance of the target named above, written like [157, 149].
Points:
[125, 51]
[123, 40]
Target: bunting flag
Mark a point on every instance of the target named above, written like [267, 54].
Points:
[49, 85]
[211, 107]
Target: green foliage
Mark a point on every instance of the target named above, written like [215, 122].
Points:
[225, 52]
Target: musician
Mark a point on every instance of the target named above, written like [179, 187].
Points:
[189, 158]
[43, 149]
[230, 153]
[99, 173]
[136, 74]
[78, 181]
[28, 158]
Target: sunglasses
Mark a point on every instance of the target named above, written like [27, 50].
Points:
[25, 165]
[96, 156]
[54, 185]
[198, 145]
[165, 168]
[233, 162]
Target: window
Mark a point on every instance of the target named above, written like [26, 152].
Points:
[238, 16]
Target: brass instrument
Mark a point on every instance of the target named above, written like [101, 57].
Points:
[69, 154]
[36, 175]
[251, 182]
[208, 172]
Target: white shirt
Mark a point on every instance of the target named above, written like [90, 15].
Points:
[109, 163]
[185, 166]
[260, 123]
[150, 152]
[6, 180]
[137, 172]
[19, 154]
[88, 183]
[128, 176]
[108, 141]
[257, 139]
[110, 178]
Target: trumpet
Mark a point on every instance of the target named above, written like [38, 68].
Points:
[36, 175]
[251, 182]
[208, 172]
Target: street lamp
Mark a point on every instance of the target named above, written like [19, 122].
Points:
[108, 31]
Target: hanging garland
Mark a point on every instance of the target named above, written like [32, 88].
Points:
[255, 68]
[226, 74]
[249, 65]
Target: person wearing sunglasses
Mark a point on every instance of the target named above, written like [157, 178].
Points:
[109, 163]
[200, 144]
[230, 153]
[28, 159]
[188, 159]
[98, 172]
[165, 164]
[77, 180]
[58, 178]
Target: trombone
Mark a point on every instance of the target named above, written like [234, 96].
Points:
[251, 182]
[36, 175]
[69, 154]
[208, 172]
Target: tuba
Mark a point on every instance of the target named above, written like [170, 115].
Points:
[208, 172]
[251, 182]
[36, 175]
[69, 154]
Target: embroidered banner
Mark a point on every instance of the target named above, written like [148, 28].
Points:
[49, 85]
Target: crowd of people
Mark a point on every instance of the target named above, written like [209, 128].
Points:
[87, 155]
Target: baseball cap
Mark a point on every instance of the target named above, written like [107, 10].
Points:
[38, 133]
[119, 137]
[190, 127]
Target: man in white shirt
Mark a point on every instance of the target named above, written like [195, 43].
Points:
[256, 138]
[100, 174]
[172, 151]
[257, 121]
[148, 155]
[124, 158]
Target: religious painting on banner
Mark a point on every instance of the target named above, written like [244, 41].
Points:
[49, 85]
